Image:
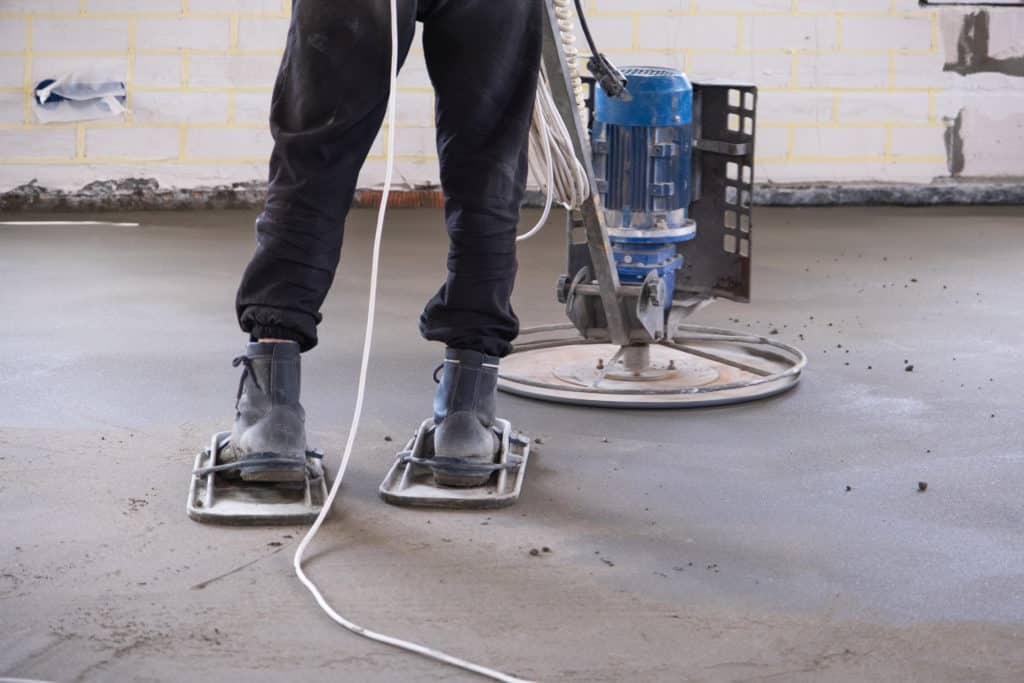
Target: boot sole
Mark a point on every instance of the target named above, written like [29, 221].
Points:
[458, 481]
[251, 469]
[274, 476]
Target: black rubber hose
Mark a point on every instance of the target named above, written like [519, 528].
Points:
[586, 29]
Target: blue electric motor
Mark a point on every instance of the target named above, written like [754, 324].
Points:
[643, 144]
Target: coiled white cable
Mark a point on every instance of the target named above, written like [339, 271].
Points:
[428, 652]
[541, 139]
[566, 179]
[567, 29]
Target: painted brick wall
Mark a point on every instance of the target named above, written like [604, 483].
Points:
[882, 90]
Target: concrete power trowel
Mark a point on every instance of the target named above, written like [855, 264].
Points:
[666, 230]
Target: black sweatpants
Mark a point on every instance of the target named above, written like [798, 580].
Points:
[329, 101]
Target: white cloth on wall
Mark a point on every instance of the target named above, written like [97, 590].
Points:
[79, 96]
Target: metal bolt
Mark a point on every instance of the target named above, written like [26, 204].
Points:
[671, 365]
[600, 363]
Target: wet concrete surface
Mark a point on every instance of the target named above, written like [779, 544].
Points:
[784, 540]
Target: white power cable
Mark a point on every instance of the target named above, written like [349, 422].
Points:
[546, 143]
[428, 652]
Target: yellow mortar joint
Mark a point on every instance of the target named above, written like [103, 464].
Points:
[98, 161]
[144, 15]
[130, 75]
[172, 88]
[611, 14]
[212, 125]
[837, 159]
[830, 89]
[851, 125]
[233, 41]
[80, 142]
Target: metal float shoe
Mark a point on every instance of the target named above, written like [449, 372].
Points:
[464, 456]
[261, 472]
[410, 481]
[216, 497]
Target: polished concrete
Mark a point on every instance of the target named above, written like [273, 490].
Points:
[783, 541]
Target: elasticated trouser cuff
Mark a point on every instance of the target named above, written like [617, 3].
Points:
[260, 332]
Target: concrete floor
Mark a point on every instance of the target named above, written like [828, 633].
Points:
[705, 545]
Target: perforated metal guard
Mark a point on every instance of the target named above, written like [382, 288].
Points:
[717, 262]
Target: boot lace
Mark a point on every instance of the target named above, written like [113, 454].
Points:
[247, 371]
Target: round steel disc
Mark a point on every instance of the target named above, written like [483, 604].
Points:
[700, 366]
[584, 364]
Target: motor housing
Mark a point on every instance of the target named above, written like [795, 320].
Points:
[642, 144]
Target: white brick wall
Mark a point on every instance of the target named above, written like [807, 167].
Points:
[139, 142]
[38, 144]
[183, 34]
[850, 89]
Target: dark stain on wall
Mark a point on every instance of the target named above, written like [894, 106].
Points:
[955, 145]
[972, 50]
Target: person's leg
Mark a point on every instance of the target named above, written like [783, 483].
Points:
[328, 104]
[483, 57]
[329, 100]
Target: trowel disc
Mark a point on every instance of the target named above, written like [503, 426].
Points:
[699, 366]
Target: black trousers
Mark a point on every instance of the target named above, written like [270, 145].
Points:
[329, 101]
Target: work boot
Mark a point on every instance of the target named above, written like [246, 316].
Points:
[268, 440]
[465, 444]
